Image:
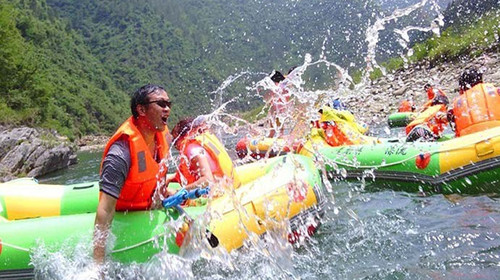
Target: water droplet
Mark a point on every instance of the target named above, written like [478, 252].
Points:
[387, 130]
[343, 172]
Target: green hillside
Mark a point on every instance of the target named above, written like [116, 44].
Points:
[192, 47]
[70, 65]
[476, 30]
[49, 78]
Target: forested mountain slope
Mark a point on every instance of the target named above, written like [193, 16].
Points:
[70, 65]
[48, 77]
[192, 46]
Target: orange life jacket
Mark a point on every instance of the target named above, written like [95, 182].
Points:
[218, 158]
[406, 106]
[334, 136]
[141, 180]
[431, 93]
[431, 97]
[477, 109]
[188, 171]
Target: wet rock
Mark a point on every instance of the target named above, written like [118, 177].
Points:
[400, 91]
[33, 152]
[92, 142]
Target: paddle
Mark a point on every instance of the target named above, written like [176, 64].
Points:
[179, 197]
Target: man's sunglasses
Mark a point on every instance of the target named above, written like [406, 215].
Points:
[161, 103]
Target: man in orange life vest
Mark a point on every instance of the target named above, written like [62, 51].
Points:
[131, 161]
[434, 97]
[429, 124]
[476, 108]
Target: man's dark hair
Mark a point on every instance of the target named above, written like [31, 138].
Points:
[469, 78]
[140, 96]
[277, 77]
[427, 86]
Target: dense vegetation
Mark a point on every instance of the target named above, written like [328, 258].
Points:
[48, 76]
[192, 47]
[461, 13]
[475, 29]
[70, 65]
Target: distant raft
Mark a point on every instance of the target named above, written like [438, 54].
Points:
[281, 189]
[262, 147]
[334, 128]
[466, 165]
[401, 119]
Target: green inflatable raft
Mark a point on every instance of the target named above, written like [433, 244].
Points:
[466, 165]
[286, 189]
[401, 119]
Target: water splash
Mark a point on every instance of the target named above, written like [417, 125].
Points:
[372, 33]
[271, 256]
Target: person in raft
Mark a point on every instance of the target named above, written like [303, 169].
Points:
[406, 106]
[131, 161]
[204, 161]
[434, 97]
[278, 100]
[337, 104]
[432, 126]
[476, 108]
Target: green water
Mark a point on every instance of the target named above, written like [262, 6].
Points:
[390, 235]
[87, 169]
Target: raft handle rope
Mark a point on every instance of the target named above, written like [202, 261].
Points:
[172, 201]
[114, 251]
[14, 246]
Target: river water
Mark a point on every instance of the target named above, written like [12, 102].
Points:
[87, 169]
[364, 235]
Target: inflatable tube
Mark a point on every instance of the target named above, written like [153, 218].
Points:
[261, 147]
[25, 198]
[465, 165]
[401, 119]
[291, 184]
[333, 136]
[334, 128]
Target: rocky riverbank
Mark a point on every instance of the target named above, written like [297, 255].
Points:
[384, 95]
[92, 142]
[33, 152]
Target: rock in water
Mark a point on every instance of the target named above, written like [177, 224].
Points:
[33, 152]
